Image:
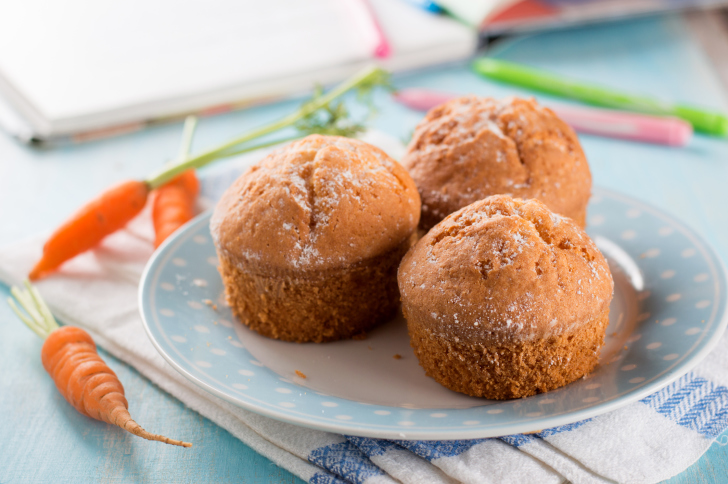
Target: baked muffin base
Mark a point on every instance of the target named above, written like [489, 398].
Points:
[509, 371]
[315, 306]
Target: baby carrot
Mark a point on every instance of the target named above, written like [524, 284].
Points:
[114, 208]
[69, 356]
[174, 205]
[104, 215]
[174, 202]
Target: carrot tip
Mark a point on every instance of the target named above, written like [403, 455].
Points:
[35, 274]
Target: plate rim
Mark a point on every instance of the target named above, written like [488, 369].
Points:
[474, 432]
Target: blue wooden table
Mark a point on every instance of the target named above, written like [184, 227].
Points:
[43, 439]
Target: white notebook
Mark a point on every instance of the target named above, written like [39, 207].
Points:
[84, 67]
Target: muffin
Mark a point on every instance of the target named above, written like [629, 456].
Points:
[505, 299]
[471, 147]
[310, 238]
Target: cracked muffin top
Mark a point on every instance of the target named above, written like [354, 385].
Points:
[502, 270]
[471, 147]
[319, 203]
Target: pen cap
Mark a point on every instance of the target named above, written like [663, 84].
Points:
[704, 121]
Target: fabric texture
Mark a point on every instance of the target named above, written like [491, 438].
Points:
[645, 442]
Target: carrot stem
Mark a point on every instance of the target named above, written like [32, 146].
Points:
[38, 318]
[167, 173]
[29, 322]
[188, 132]
[258, 146]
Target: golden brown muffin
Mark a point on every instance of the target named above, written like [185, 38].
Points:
[504, 299]
[472, 147]
[309, 239]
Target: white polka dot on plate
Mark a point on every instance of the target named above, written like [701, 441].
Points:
[166, 312]
[652, 253]
[668, 321]
[406, 423]
[246, 372]
[534, 414]
[331, 404]
[665, 231]
[471, 422]
[225, 323]
[438, 415]
[179, 262]
[218, 352]
[236, 343]
[692, 331]
[344, 417]
[638, 379]
[256, 363]
[495, 410]
[701, 277]
[547, 400]
[653, 346]
[212, 261]
[240, 386]
[167, 286]
[628, 367]
[201, 329]
[590, 399]
[593, 386]
[287, 405]
[199, 282]
[673, 297]
[194, 304]
[633, 213]
[382, 412]
[200, 239]
[670, 357]
[284, 390]
[179, 339]
[629, 234]
[687, 253]
[633, 338]
[702, 304]
[596, 220]
[668, 274]
[203, 364]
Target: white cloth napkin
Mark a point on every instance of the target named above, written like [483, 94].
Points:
[645, 442]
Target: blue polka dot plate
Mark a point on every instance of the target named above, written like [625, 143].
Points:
[668, 312]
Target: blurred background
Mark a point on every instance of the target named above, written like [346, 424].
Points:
[80, 70]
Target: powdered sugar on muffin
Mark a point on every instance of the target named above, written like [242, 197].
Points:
[471, 147]
[317, 203]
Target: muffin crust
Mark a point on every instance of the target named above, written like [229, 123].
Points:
[471, 147]
[504, 299]
[309, 239]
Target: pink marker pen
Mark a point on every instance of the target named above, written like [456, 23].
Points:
[603, 122]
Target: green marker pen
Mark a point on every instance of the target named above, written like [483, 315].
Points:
[509, 72]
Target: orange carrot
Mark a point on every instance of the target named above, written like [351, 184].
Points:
[174, 205]
[73, 237]
[85, 381]
[104, 215]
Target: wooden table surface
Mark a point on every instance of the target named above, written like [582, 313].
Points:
[42, 438]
